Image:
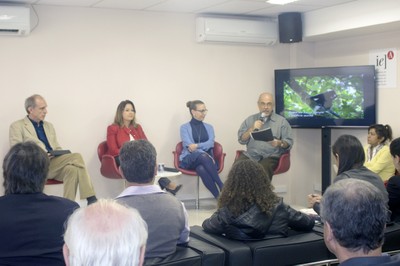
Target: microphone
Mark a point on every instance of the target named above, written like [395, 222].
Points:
[262, 119]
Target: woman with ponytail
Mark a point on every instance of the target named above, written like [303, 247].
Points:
[377, 153]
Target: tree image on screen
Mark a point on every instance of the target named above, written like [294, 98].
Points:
[336, 97]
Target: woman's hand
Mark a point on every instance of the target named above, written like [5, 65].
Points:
[192, 147]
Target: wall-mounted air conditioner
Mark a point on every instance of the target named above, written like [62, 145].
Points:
[14, 20]
[236, 30]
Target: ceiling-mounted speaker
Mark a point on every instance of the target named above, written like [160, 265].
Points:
[290, 27]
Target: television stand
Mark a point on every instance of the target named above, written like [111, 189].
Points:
[326, 158]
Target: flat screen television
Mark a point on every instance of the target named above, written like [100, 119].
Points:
[327, 96]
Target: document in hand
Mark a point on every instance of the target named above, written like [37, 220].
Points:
[263, 135]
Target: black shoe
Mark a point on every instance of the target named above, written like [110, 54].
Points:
[91, 200]
[174, 191]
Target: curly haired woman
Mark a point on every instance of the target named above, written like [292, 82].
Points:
[248, 209]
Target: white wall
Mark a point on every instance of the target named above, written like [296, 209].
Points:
[356, 16]
[85, 61]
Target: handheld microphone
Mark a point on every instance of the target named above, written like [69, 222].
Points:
[262, 119]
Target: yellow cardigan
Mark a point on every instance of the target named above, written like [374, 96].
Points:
[381, 163]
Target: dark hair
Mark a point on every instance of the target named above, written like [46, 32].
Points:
[138, 161]
[118, 120]
[350, 151]
[192, 105]
[395, 147]
[247, 184]
[357, 213]
[25, 169]
[382, 131]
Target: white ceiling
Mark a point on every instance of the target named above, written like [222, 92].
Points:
[373, 24]
[232, 7]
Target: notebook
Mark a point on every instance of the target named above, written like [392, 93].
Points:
[263, 135]
[59, 152]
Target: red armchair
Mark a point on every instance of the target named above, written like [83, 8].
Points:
[53, 182]
[108, 166]
[219, 156]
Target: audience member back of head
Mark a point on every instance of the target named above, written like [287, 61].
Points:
[105, 233]
[355, 214]
[32, 223]
[165, 215]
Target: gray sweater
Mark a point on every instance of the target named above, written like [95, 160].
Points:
[165, 218]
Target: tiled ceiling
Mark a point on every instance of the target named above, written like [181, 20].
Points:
[231, 7]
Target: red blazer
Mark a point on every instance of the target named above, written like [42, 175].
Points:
[117, 136]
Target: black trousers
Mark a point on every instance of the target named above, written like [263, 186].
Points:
[164, 182]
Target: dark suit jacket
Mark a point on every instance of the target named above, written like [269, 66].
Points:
[393, 188]
[32, 228]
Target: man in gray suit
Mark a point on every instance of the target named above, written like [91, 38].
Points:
[69, 168]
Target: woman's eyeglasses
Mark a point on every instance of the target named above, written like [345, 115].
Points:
[202, 111]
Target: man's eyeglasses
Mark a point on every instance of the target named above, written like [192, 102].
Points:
[202, 111]
[263, 104]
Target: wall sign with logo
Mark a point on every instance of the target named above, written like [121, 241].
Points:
[385, 62]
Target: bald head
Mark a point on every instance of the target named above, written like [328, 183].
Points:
[266, 103]
[265, 94]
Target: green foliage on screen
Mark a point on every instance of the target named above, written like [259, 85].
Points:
[349, 90]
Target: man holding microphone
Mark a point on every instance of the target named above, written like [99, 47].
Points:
[267, 153]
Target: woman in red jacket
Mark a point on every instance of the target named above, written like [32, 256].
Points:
[126, 129]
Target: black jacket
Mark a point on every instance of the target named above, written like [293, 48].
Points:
[393, 188]
[254, 224]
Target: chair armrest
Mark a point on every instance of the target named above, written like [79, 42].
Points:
[238, 152]
[182, 256]
[176, 159]
[109, 168]
[221, 162]
[236, 252]
[211, 255]
[283, 163]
